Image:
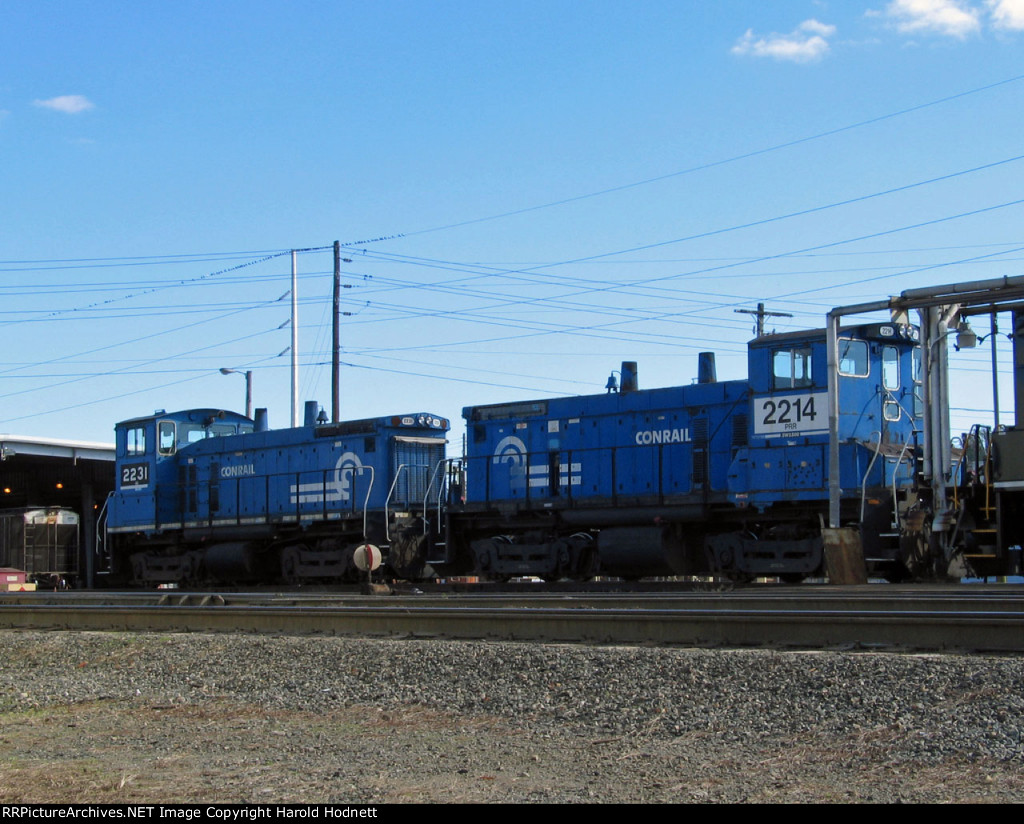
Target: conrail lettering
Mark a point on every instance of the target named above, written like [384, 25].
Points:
[645, 437]
[237, 471]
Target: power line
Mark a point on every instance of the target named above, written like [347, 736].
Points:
[716, 163]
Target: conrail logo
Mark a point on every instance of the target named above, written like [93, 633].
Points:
[339, 488]
[510, 450]
[237, 471]
[646, 437]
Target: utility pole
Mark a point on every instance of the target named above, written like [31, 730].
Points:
[761, 315]
[335, 328]
[295, 342]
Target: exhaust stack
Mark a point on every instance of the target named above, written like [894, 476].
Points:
[629, 377]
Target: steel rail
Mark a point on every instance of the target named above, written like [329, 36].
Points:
[872, 599]
[992, 630]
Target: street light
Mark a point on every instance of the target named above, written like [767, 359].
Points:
[248, 387]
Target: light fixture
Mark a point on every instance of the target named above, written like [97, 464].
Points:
[247, 374]
[965, 336]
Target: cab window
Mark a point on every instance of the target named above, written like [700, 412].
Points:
[193, 432]
[853, 358]
[890, 367]
[791, 368]
[165, 438]
[135, 440]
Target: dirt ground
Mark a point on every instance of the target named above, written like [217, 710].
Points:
[212, 719]
[222, 752]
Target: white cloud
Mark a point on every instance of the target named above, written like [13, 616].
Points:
[805, 44]
[67, 103]
[1006, 14]
[812, 25]
[949, 17]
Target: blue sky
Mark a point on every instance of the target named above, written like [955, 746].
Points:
[527, 192]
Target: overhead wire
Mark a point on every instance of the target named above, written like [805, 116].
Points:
[553, 300]
[725, 161]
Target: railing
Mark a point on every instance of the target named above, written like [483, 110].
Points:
[895, 469]
[394, 485]
[366, 501]
[975, 456]
[897, 463]
[311, 495]
[102, 546]
[558, 474]
[959, 478]
[439, 476]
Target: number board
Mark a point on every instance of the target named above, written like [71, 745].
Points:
[134, 475]
[791, 414]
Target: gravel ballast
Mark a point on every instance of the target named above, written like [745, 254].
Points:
[115, 717]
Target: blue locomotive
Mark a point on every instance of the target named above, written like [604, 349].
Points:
[714, 477]
[209, 495]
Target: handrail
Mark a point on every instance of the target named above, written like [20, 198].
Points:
[988, 475]
[485, 466]
[973, 437]
[366, 500]
[864, 480]
[261, 483]
[391, 491]
[440, 492]
[101, 530]
[955, 466]
[895, 400]
[895, 469]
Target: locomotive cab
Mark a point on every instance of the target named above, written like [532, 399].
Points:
[782, 475]
[145, 448]
[878, 375]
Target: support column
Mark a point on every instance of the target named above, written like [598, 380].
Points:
[87, 534]
[1018, 367]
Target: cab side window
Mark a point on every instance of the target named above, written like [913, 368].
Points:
[165, 438]
[890, 367]
[891, 409]
[853, 358]
[791, 368]
[135, 441]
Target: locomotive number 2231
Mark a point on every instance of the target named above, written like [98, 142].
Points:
[134, 474]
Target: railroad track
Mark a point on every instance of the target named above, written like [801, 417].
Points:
[987, 619]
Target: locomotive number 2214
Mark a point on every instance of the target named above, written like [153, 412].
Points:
[791, 414]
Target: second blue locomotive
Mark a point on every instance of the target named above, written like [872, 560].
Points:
[205, 494]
